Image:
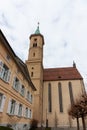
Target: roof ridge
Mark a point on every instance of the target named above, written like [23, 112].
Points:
[58, 68]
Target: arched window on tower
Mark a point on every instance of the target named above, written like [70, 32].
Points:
[60, 97]
[34, 44]
[71, 92]
[34, 54]
[32, 74]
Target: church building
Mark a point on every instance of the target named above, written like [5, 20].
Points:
[57, 88]
[30, 91]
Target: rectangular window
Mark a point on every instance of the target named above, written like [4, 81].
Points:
[2, 101]
[12, 107]
[1, 97]
[22, 90]
[16, 84]
[4, 72]
[20, 110]
[26, 112]
[49, 98]
[28, 95]
[30, 113]
[60, 97]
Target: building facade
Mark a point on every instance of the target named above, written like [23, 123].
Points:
[16, 89]
[28, 90]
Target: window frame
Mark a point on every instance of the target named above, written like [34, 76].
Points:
[20, 109]
[4, 72]
[12, 107]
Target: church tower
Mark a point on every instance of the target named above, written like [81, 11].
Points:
[35, 67]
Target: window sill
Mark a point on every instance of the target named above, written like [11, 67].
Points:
[10, 114]
[21, 94]
[15, 89]
[19, 116]
[4, 80]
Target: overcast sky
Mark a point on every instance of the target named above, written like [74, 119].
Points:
[63, 23]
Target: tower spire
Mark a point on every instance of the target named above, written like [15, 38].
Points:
[37, 30]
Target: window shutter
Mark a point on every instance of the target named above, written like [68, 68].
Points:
[3, 103]
[16, 108]
[8, 76]
[24, 91]
[28, 113]
[14, 82]
[26, 94]
[2, 72]
[1, 63]
[1, 68]
[9, 106]
[30, 97]
[24, 111]
[19, 87]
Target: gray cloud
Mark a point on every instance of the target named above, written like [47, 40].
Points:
[62, 22]
[4, 21]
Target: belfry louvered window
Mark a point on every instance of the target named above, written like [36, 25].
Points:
[34, 44]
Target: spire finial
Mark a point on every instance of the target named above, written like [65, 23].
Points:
[74, 64]
[38, 24]
[37, 30]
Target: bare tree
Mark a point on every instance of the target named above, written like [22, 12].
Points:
[79, 110]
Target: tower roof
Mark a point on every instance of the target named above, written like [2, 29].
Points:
[37, 33]
[37, 30]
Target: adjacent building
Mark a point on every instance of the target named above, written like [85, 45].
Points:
[16, 88]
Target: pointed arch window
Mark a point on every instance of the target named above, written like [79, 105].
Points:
[71, 92]
[49, 98]
[60, 97]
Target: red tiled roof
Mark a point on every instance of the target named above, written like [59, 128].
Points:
[68, 73]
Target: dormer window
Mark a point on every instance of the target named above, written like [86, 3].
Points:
[34, 44]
